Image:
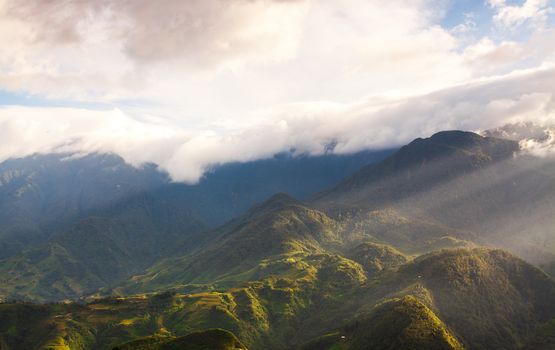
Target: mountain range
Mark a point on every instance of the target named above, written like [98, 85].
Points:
[445, 243]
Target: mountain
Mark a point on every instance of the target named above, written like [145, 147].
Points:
[286, 237]
[479, 298]
[40, 194]
[485, 189]
[376, 257]
[410, 234]
[73, 224]
[228, 190]
[270, 236]
[391, 257]
[453, 299]
[492, 299]
[404, 323]
[98, 251]
[416, 167]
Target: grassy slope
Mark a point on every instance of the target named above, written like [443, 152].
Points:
[273, 238]
[485, 298]
[259, 313]
[489, 298]
[279, 236]
[408, 234]
[404, 323]
[492, 299]
[376, 257]
[213, 339]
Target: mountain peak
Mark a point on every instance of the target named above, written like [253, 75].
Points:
[277, 201]
[421, 165]
[456, 137]
[445, 143]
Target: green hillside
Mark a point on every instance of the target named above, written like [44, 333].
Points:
[214, 339]
[98, 251]
[481, 298]
[491, 298]
[376, 257]
[379, 265]
[544, 339]
[397, 324]
[411, 235]
[274, 237]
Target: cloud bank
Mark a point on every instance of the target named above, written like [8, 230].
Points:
[307, 128]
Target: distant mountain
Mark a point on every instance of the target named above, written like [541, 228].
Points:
[464, 181]
[98, 251]
[229, 190]
[71, 225]
[40, 195]
[418, 167]
[43, 194]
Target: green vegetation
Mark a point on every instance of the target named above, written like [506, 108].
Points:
[544, 339]
[97, 252]
[273, 238]
[214, 339]
[493, 299]
[396, 324]
[481, 298]
[376, 257]
[390, 261]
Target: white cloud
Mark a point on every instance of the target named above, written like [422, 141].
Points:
[108, 49]
[306, 128]
[543, 146]
[534, 12]
[237, 80]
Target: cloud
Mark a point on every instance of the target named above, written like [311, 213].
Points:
[238, 80]
[307, 128]
[225, 58]
[542, 147]
[204, 33]
[112, 49]
[534, 12]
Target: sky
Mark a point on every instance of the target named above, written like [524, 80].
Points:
[191, 84]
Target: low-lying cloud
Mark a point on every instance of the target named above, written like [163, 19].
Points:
[308, 128]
